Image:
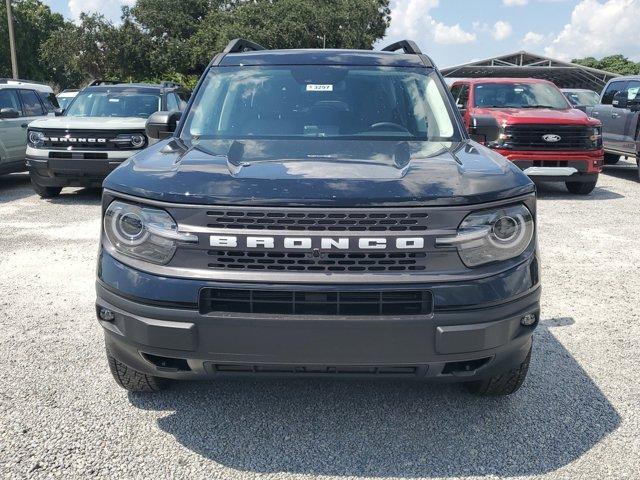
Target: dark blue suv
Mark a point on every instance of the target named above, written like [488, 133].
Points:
[318, 213]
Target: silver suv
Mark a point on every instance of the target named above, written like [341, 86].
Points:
[21, 101]
[619, 112]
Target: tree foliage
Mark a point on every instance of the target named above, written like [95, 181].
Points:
[176, 39]
[613, 63]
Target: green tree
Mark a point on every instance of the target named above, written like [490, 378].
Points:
[34, 22]
[613, 63]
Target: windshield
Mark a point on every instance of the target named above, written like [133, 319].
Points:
[587, 98]
[319, 102]
[519, 95]
[64, 101]
[121, 103]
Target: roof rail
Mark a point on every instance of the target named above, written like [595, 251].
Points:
[99, 81]
[408, 46]
[20, 80]
[169, 84]
[239, 45]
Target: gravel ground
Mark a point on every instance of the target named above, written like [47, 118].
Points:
[577, 416]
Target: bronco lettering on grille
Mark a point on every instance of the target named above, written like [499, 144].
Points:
[312, 243]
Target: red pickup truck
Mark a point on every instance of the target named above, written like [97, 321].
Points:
[530, 122]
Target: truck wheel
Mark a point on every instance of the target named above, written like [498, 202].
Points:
[133, 380]
[45, 192]
[502, 384]
[611, 159]
[580, 188]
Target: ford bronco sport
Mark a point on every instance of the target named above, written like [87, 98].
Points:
[318, 213]
[530, 122]
[101, 128]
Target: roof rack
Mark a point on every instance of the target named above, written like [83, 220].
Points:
[239, 45]
[408, 46]
[99, 81]
[20, 80]
[170, 84]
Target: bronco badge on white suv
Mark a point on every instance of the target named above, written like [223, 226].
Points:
[103, 126]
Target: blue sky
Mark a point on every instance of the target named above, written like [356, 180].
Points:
[457, 31]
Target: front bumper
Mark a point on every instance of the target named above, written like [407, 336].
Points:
[557, 165]
[473, 332]
[82, 169]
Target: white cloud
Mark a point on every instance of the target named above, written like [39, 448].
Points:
[532, 39]
[599, 28]
[412, 19]
[111, 9]
[514, 3]
[502, 30]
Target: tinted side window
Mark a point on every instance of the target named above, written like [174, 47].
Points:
[612, 89]
[172, 102]
[9, 99]
[49, 100]
[455, 91]
[463, 98]
[31, 106]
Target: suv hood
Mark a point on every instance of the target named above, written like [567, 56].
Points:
[90, 123]
[513, 116]
[325, 172]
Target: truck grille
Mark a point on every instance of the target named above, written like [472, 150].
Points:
[317, 220]
[326, 262]
[85, 140]
[326, 303]
[530, 137]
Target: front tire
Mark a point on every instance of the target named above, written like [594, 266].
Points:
[581, 188]
[502, 384]
[133, 380]
[611, 158]
[45, 192]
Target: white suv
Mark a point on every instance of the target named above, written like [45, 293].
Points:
[21, 101]
[101, 128]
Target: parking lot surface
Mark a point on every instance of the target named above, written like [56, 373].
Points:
[577, 415]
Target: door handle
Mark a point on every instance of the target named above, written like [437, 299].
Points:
[595, 114]
[615, 115]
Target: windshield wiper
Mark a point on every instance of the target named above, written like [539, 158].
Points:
[539, 106]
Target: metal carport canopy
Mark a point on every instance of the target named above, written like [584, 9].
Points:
[525, 64]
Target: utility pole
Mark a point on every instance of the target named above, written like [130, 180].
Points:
[12, 42]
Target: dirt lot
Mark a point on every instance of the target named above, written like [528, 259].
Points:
[577, 416]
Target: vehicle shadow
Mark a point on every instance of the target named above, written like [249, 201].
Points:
[625, 171]
[392, 429]
[557, 191]
[79, 196]
[14, 186]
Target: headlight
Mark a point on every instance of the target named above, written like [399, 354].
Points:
[596, 137]
[492, 235]
[143, 232]
[130, 140]
[36, 139]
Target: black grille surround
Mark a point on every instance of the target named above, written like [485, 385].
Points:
[530, 137]
[316, 220]
[330, 302]
[323, 262]
[88, 139]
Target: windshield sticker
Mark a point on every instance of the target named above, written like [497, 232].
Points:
[319, 88]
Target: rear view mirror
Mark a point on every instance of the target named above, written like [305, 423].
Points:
[7, 113]
[161, 125]
[484, 128]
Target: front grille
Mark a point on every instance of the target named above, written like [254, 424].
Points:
[326, 303]
[317, 220]
[529, 137]
[86, 140]
[325, 262]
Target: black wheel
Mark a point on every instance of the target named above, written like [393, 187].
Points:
[580, 188]
[503, 384]
[133, 380]
[611, 158]
[45, 192]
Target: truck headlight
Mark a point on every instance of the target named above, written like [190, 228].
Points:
[596, 137]
[143, 232]
[131, 140]
[492, 235]
[36, 139]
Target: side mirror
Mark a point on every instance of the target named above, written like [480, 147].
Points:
[9, 113]
[161, 125]
[484, 128]
[620, 100]
[58, 112]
